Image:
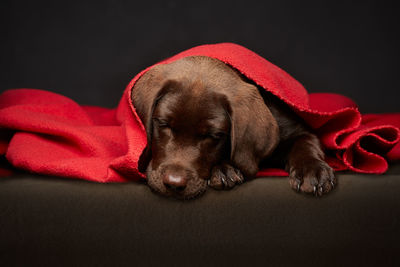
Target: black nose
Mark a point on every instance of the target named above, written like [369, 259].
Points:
[175, 182]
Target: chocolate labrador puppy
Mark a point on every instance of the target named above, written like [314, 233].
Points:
[208, 125]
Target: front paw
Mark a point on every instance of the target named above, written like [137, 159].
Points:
[225, 176]
[314, 177]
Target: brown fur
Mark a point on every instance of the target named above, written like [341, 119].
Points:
[206, 124]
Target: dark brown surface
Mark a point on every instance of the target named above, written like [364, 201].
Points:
[49, 221]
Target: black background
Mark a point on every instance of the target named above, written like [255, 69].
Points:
[89, 51]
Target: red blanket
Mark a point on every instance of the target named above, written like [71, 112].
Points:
[47, 133]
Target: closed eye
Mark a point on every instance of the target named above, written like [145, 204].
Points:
[161, 123]
[215, 136]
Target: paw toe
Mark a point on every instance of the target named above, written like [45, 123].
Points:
[225, 177]
[295, 183]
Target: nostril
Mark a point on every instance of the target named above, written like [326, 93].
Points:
[168, 186]
[180, 188]
[175, 187]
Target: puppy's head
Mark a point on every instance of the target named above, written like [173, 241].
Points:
[197, 113]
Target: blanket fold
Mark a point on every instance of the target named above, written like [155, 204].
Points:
[47, 133]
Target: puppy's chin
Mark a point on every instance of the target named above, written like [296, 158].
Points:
[194, 189]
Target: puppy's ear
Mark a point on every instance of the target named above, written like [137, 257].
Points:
[254, 130]
[147, 91]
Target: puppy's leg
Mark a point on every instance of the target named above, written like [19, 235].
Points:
[308, 172]
[225, 176]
